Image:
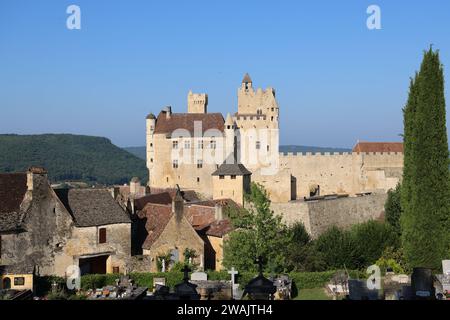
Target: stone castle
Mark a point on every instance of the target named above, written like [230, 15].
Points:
[215, 156]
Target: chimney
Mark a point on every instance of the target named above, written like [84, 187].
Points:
[33, 174]
[135, 186]
[168, 111]
[178, 205]
[218, 212]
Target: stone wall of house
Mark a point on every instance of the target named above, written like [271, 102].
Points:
[318, 216]
[84, 243]
[177, 235]
[47, 226]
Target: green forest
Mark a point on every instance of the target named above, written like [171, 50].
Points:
[67, 157]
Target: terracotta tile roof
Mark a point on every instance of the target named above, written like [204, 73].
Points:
[378, 147]
[13, 187]
[186, 121]
[219, 228]
[92, 207]
[159, 198]
[204, 213]
[158, 217]
[200, 215]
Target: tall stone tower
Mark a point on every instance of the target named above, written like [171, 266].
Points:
[257, 120]
[197, 102]
[150, 130]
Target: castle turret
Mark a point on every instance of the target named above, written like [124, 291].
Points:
[150, 130]
[197, 102]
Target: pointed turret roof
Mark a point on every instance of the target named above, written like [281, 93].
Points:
[229, 120]
[247, 79]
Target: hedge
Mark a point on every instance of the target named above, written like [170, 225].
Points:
[301, 280]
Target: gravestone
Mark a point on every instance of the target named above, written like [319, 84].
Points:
[446, 267]
[443, 280]
[159, 281]
[358, 290]
[199, 276]
[422, 284]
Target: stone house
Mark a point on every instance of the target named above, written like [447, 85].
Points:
[168, 230]
[48, 231]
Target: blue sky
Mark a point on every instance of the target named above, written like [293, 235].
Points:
[336, 80]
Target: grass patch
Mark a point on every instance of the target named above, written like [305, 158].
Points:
[312, 294]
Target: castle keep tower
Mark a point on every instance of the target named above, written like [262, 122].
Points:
[197, 102]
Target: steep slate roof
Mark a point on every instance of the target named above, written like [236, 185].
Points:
[13, 187]
[247, 79]
[186, 121]
[378, 147]
[158, 217]
[235, 169]
[92, 207]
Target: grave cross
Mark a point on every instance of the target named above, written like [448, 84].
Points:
[233, 272]
[186, 271]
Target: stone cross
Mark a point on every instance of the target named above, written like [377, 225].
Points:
[163, 265]
[186, 271]
[233, 272]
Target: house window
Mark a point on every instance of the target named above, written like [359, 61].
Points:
[187, 144]
[221, 177]
[175, 164]
[151, 160]
[199, 164]
[116, 270]
[200, 144]
[212, 144]
[102, 235]
[258, 145]
[19, 281]
[233, 177]
[174, 144]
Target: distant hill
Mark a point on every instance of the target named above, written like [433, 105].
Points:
[140, 151]
[71, 158]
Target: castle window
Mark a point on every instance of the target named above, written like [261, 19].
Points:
[198, 179]
[199, 164]
[174, 144]
[233, 177]
[268, 148]
[271, 118]
[272, 109]
[258, 145]
[187, 144]
[151, 160]
[200, 144]
[167, 179]
[221, 177]
[102, 235]
[175, 164]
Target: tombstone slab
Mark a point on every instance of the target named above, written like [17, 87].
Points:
[199, 276]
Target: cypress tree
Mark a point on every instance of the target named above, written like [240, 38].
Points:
[425, 195]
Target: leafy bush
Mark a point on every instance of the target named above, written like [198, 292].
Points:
[393, 208]
[338, 249]
[371, 239]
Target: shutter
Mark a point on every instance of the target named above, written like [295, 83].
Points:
[102, 235]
